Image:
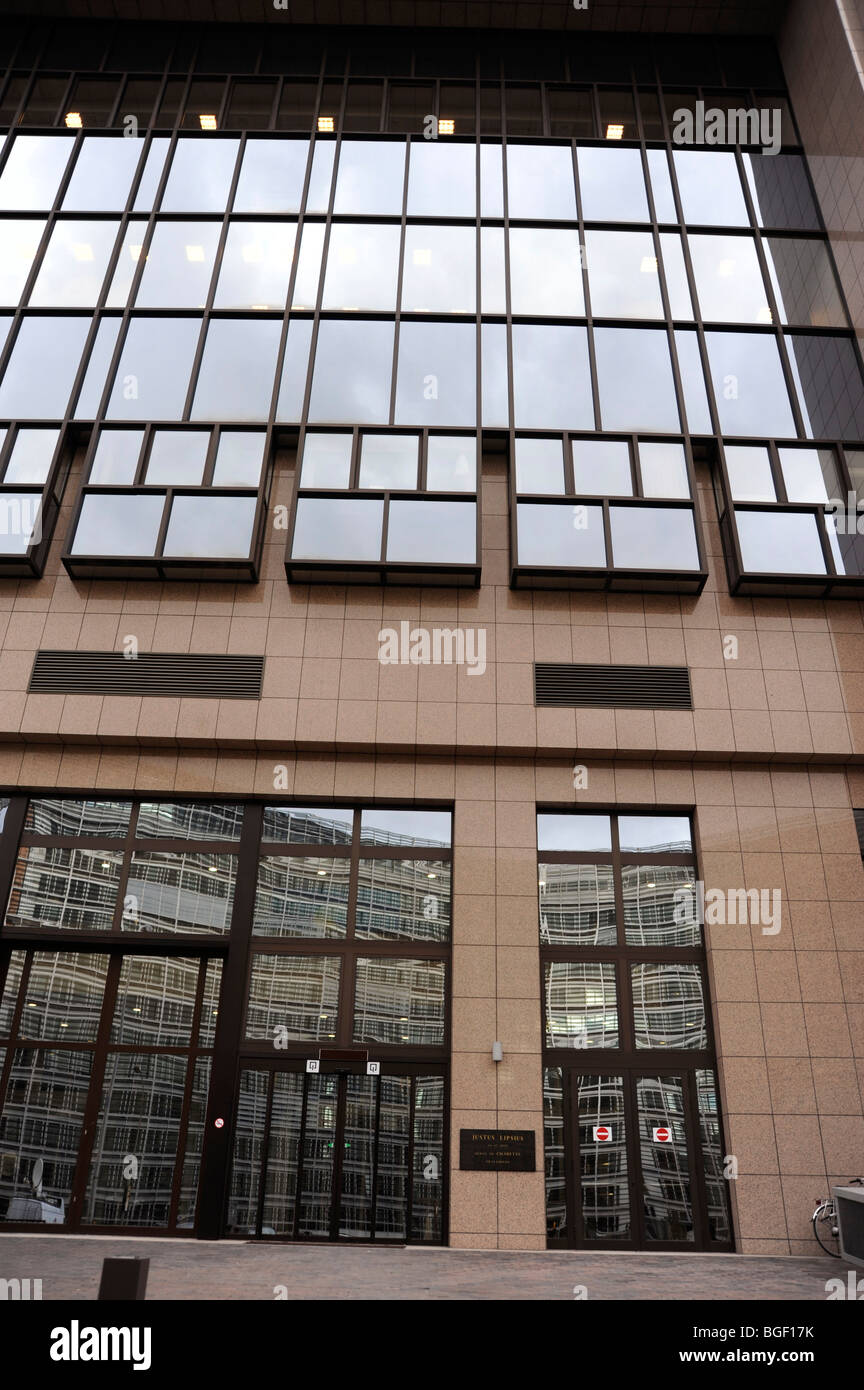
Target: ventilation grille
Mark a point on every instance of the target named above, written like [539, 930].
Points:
[150, 673]
[622, 687]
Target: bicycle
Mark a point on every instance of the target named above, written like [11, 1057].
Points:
[825, 1217]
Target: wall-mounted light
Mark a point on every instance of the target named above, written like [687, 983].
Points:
[497, 1052]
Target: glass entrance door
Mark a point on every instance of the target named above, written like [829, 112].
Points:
[339, 1155]
[634, 1160]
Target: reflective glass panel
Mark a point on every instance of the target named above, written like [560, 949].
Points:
[581, 1004]
[31, 456]
[553, 1149]
[389, 460]
[561, 536]
[256, 266]
[188, 1197]
[69, 889]
[247, 1165]
[576, 832]
[153, 165]
[810, 475]
[713, 1158]
[546, 272]
[612, 185]
[652, 834]
[283, 1153]
[603, 1173]
[41, 370]
[63, 999]
[781, 192]
[362, 268]
[370, 177]
[296, 994]
[153, 375]
[116, 456]
[693, 381]
[237, 370]
[271, 176]
[326, 460]
[749, 386]
[451, 463]
[540, 184]
[403, 899]
[637, 389]
[19, 518]
[830, 386]
[440, 532]
[184, 893]
[780, 542]
[664, 470]
[711, 193]
[442, 180]
[32, 173]
[551, 377]
[399, 1001]
[118, 525]
[660, 905]
[437, 374]
[239, 457]
[427, 1199]
[646, 537]
[19, 242]
[577, 905]
[220, 527]
[439, 270]
[351, 376]
[661, 185]
[623, 274]
[42, 1119]
[189, 820]
[664, 1159]
[728, 279]
[805, 285]
[602, 467]
[382, 827]
[677, 284]
[539, 466]
[179, 265]
[308, 272]
[300, 896]
[102, 175]
[200, 175]
[668, 1009]
[155, 1002]
[307, 826]
[177, 457]
[749, 469]
[493, 289]
[336, 528]
[71, 816]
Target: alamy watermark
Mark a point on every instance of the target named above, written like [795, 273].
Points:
[738, 126]
[729, 907]
[437, 646]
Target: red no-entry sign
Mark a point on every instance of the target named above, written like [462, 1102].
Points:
[662, 1135]
[602, 1133]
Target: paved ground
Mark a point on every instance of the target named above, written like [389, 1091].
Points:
[70, 1266]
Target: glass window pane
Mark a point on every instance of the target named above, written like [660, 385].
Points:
[781, 192]
[540, 183]
[389, 460]
[103, 174]
[539, 466]
[551, 377]
[271, 176]
[491, 180]
[382, 827]
[153, 375]
[553, 1147]
[295, 368]
[713, 1157]
[149, 183]
[403, 899]
[439, 271]
[200, 176]
[32, 173]
[19, 519]
[237, 370]
[192, 894]
[362, 268]
[711, 193]
[298, 896]
[189, 820]
[661, 185]
[749, 385]
[177, 457]
[220, 527]
[668, 1009]
[256, 266]
[296, 995]
[247, 1166]
[63, 999]
[41, 370]
[451, 463]
[9, 993]
[602, 467]
[546, 272]
[637, 388]
[437, 374]
[623, 275]
[810, 475]
[116, 456]
[560, 536]
[581, 1004]
[577, 905]
[645, 537]
[665, 1163]
[830, 388]
[131, 250]
[72, 816]
[399, 1001]
[728, 280]
[326, 460]
[74, 264]
[495, 374]
[321, 176]
[750, 477]
[31, 456]
[302, 825]
[156, 1001]
[370, 177]
[336, 528]
[46, 1096]
[664, 470]
[603, 1171]
[677, 284]
[442, 180]
[179, 265]
[66, 889]
[19, 242]
[693, 381]
[239, 457]
[351, 376]
[804, 282]
[493, 289]
[112, 524]
[780, 542]
[660, 905]
[574, 832]
[443, 532]
[612, 183]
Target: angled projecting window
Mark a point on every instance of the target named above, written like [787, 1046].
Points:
[604, 514]
[171, 503]
[376, 507]
[34, 465]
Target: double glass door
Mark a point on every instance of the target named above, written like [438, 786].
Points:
[634, 1160]
[339, 1155]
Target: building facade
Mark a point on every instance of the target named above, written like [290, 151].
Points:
[431, 690]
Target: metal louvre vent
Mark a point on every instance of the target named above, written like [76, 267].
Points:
[622, 687]
[150, 673]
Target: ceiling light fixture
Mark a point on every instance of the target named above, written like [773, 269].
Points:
[325, 124]
[73, 120]
[207, 122]
[446, 126]
[614, 132]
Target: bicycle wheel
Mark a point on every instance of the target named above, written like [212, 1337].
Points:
[825, 1229]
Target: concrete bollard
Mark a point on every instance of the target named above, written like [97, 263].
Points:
[124, 1279]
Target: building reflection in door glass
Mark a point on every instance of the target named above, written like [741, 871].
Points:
[358, 1143]
[665, 1169]
[394, 1133]
[282, 1153]
[553, 1139]
[712, 1155]
[319, 1152]
[603, 1158]
[248, 1153]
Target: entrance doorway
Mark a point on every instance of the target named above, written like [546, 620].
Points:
[339, 1155]
[634, 1161]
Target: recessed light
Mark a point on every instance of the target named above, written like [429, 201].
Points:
[325, 123]
[614, 132]
[73, 120]
[207, 122]
[446, 126]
